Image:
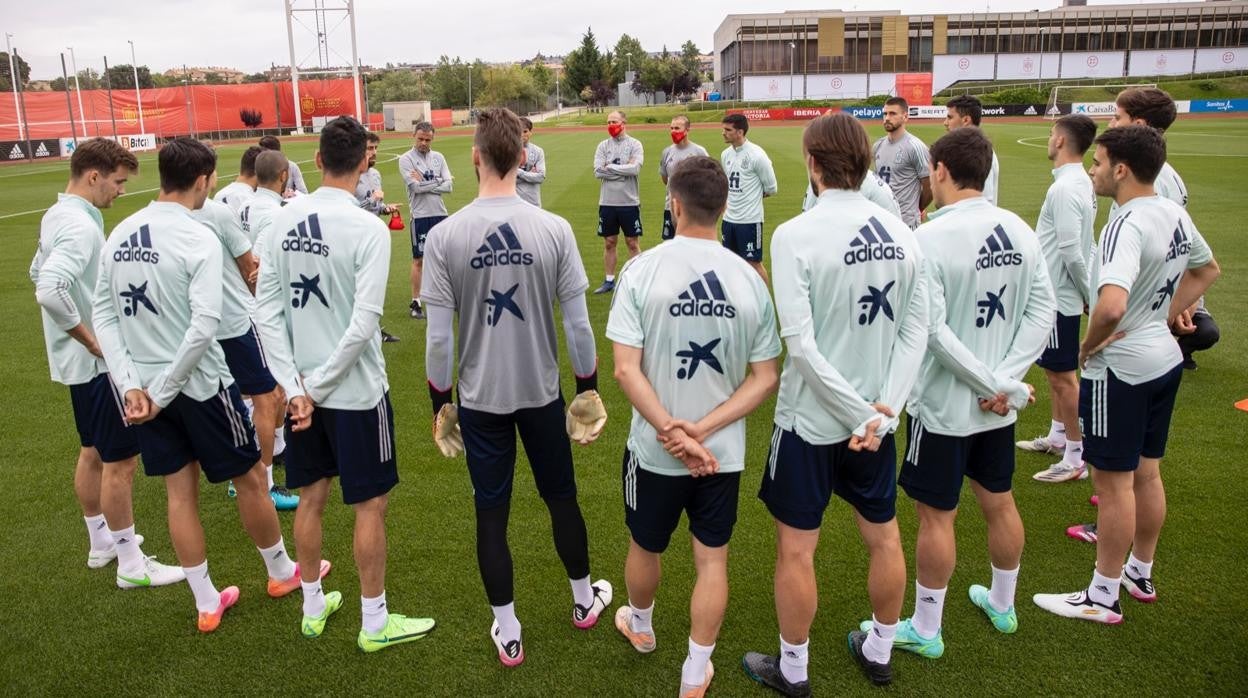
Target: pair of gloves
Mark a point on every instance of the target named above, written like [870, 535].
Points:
[585, 420]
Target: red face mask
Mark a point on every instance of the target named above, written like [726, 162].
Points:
[679, 136]
[615, 129]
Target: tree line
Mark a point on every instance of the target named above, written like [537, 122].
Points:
[589, 76]
[121, 77]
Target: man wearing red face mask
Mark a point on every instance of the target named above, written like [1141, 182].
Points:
[617, 162]
[681, 149]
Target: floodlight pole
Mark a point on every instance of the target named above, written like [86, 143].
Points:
[294, 66]
[186, 93]
[792, 47]
[82, 114]
[13, 78]
[367, 125]
[108, 83]
[69, 104]
[138, 96]
[190, 106]
[1040, 73]
[30, 151]
[355, 63]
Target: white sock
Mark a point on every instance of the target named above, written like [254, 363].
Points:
[1103, 590]
[1137, 569]
[693, 673]
[879, 645]
[508, 623]
[207, 599]
[129, 555]
[929, 606]
[793, 661]
[277, 561]
[279, 441]
[1057, 433]
[374, 612]
[1074, 454]
[313, 599]
[582, 591]
[610, 278]
[268, 471]
[1001, 595]
[97, 531]
[643, 618]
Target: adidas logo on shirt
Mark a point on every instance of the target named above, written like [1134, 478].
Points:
[873, 244]
[705, 298]
[501, 248]
[997, 251]
[306, 238]
[138, 248]
[1179, 245]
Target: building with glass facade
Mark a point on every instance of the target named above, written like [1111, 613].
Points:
[842, 55]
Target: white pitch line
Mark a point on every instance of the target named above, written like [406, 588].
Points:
[129, 193]
[1023, 141]
[1205, 135]
[60, 168]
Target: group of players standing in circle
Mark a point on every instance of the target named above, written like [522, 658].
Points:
[158, 336]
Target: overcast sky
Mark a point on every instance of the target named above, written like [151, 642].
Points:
[251, 34]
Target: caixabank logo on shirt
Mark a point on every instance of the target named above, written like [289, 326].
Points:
[705, 297]
[306, 237]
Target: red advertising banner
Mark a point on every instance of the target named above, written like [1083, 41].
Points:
[915, 88]
[170, 111]
[787, 114]
[441, 117]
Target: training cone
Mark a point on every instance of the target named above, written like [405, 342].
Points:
[396, 221]
[1242, 405]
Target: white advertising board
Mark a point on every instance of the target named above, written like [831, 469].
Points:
[1214, 60]
[1168, 62]
[946, 70]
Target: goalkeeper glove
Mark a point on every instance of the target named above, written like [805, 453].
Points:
[586, 417]
[446, 431]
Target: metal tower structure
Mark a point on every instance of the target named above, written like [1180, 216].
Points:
[322, 22]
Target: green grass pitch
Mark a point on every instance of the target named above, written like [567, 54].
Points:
[66, 629]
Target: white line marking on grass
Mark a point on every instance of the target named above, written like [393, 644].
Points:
[129, 193]
[63, 167]
[1206, 135]
[1024, 141]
